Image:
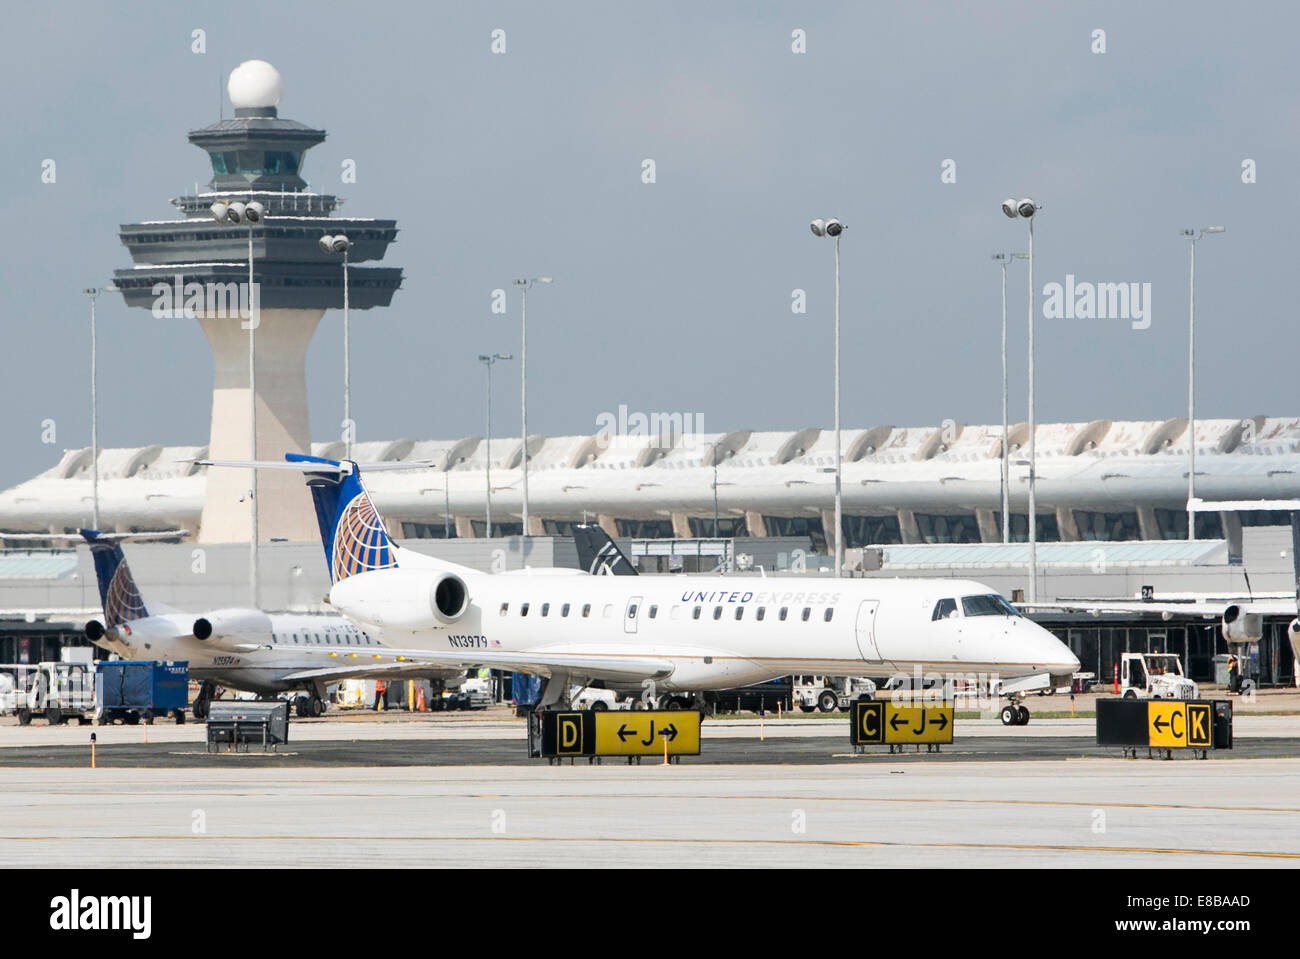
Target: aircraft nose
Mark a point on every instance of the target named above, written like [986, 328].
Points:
[1057, 656]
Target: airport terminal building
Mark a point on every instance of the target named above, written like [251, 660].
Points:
[1111, 506]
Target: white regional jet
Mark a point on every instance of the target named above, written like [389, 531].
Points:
[241, 648]
[684, 633]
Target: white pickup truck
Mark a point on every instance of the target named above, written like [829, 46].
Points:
[1154, 676]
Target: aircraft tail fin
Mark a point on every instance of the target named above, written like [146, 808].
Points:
[117, 590]
[351, 531]
[599, 554]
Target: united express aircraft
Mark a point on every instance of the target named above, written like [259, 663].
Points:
[675, 634]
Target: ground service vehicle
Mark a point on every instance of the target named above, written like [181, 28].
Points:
[829, 693]
[57, 691]
[1154, 676]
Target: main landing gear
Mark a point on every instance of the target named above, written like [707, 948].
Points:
[206, 694]
[1014, 714]
[312, 705]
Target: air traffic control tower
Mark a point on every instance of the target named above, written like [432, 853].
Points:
[197, 266]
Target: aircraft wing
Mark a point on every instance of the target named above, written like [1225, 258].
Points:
[378, 670]
[589, 665]
[1167, 610]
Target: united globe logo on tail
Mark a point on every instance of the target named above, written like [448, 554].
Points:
[360, 540]
[123, 602]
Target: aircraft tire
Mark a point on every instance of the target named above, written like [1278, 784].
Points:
[1010, 716]
[1022, 716]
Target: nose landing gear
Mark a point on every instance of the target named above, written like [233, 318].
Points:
[1014, 715]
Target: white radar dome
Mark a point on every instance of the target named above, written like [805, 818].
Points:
[254, 83]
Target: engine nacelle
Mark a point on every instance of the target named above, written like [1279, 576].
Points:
[94, 630]
[402, 598]
[1241, 627]
[231, 628]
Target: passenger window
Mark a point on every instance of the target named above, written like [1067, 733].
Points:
[586, 610]
[740, 611]
[807, 611]
[654, 611]
[784, 610]
[944, 609]
[505, 608]
[696, 613]
[717, 612]
[295, 637]
[523, 609]
[546, 609]
[564, 610]
[631, 611]
[830, 611]
[762, 611]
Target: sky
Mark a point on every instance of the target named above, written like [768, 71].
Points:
[910, 122]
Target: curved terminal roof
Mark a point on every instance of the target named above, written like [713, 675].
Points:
[660, 474]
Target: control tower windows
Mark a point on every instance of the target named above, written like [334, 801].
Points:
[256, 162]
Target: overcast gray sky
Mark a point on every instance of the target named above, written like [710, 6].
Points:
[676, 296]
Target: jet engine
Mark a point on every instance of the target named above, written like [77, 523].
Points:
[402, 598]
[232, 628]
[1240, 627]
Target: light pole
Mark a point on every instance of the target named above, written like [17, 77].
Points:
[525, 284]
[1026, 208]
[834, 228]
[251, 214]
[94, 415]
[714, 457]
[334, 245]
[1004, 259]
[1192, 237]
[489, 361]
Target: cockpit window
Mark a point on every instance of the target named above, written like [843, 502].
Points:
[988, 605]
[944, 608]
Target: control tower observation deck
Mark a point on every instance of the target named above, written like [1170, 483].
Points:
[197, 267]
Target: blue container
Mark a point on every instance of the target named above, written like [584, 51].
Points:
[146, 686]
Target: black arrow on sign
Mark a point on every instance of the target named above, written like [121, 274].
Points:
[669, 733]
[624, 732]
[941, 722]
[1160, 722]
[895, 721]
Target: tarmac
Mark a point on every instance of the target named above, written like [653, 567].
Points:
[451, 790]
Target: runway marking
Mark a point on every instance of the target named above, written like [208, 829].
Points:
[624, 796]
[843, 843]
